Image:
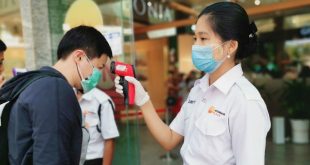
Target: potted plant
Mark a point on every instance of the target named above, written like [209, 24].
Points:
[296, 100]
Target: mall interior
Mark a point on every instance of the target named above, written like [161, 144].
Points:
[156, 37]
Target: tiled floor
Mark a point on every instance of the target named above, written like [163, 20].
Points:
[288, 154]
[153, 154]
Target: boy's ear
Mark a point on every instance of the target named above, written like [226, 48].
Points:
[77, 55]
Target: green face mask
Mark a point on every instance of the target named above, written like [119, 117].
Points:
[92, 81]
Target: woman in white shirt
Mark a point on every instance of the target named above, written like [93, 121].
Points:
[224, 120]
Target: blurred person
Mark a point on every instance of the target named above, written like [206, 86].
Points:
[224, 120]
[2, 50]
[190, 79]
[44, 126]
[291, 73]
[305, 71]
[174, 98]
[98, 111]
[182, 87]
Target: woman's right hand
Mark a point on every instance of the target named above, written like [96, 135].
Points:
[141, 96]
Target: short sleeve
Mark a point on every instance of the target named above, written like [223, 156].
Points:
[249, 126]
[178, 124]
[108, 126]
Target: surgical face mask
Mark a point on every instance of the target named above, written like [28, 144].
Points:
[92, 81]
[203, 58]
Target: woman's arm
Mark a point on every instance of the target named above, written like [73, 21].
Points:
[166, 137]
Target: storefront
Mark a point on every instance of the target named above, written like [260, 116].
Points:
[11, 34]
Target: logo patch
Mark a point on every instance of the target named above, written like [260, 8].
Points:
[216, 112]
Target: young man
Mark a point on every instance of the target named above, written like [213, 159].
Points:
[45, 122]
[2, 50]
[98, 111]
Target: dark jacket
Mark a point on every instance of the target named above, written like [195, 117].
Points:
[45, 123]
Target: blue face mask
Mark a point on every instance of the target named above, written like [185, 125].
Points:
[203, 58]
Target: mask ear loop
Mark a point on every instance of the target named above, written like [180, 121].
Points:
[79, 72]
[88, 60]
[221, 45]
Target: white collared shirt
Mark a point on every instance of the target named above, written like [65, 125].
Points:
[89, 105]
[225, 123]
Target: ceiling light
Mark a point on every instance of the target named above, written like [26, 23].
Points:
[257, 2]
[193, 27]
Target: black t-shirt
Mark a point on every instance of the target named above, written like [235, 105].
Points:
[45, 124]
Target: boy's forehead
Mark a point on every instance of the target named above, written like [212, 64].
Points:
[101, 60]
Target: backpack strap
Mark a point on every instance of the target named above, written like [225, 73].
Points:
[4, 154]
[111, 103]
[98, 126]
[99, 114]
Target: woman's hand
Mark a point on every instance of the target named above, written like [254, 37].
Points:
[141, 96]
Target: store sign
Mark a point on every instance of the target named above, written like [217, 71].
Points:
[115, 40]
[7, 6]
[161, 33]
[114, 36]
[155, 11]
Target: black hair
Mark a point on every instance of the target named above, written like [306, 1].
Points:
[85, 38]
[2, 46]
[231, 22]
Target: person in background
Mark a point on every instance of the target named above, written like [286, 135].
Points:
[224, 120]
[98, 113]
[190, 79]
[183, 92]
[2, 50]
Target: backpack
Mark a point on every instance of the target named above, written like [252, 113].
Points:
[9, 93]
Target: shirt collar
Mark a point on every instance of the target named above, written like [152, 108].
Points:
[204, 82]
[87, 96]
[94, 94]
[228, 79]
[225, 82]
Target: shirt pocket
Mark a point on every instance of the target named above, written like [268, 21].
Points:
[211, 125]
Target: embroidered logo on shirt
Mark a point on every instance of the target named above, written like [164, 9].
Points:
[191, 101]
[216, 112]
